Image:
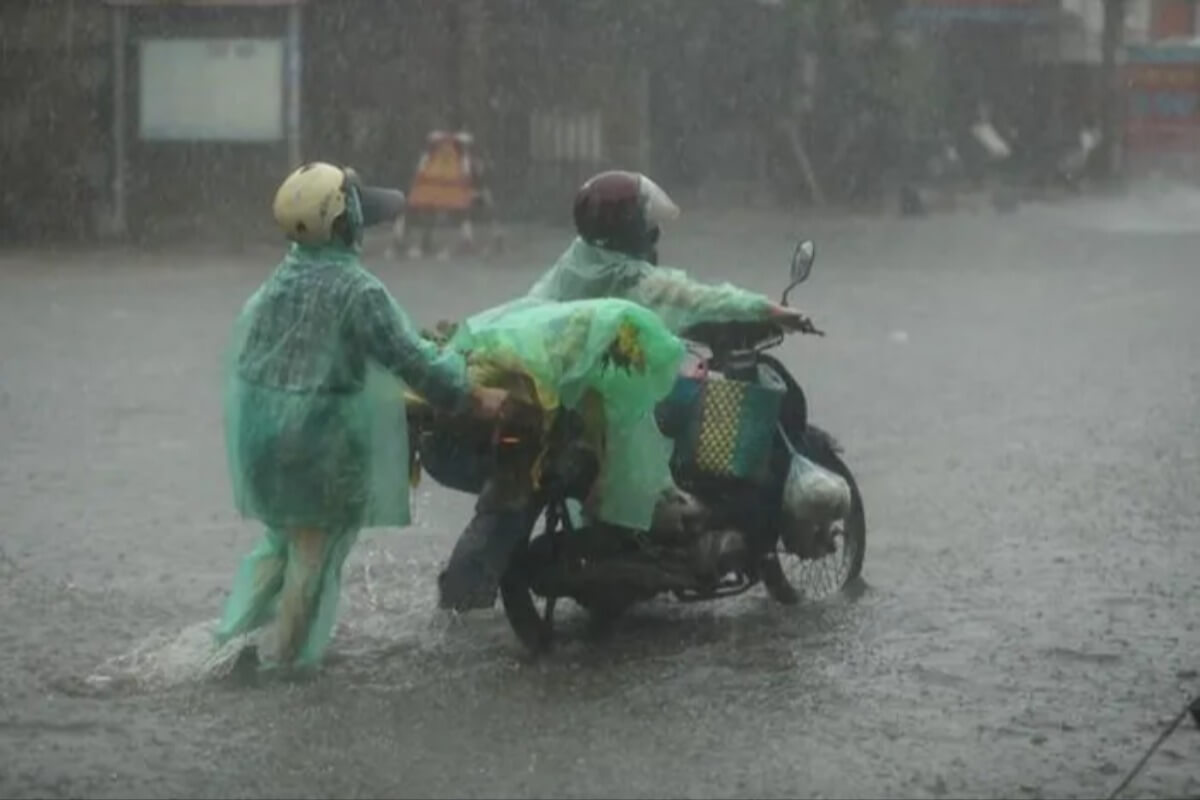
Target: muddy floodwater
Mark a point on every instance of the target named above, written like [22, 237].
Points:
[1019, 396]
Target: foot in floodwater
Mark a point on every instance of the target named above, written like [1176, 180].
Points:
[247, 663]
[462, 592]
[250, 667]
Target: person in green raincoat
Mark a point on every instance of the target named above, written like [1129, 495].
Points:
[314, 411]
[618, 222]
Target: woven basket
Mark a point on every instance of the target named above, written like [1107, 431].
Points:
[730, 430]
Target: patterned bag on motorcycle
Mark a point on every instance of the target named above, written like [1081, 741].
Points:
[728, 426]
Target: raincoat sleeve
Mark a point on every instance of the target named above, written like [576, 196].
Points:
[586, 271]
[384, 333]
[682, 302]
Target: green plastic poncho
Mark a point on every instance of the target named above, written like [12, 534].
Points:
[614, 348]
[587, 271]
[315, 425]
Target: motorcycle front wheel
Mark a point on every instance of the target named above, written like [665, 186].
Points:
[533, 626]
[816, 579]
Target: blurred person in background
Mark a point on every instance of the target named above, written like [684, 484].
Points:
[449, 191]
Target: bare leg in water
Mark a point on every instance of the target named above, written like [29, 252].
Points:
[292, 579]
[302, 581]
[251, 604]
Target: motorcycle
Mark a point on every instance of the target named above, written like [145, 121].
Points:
[772, 489]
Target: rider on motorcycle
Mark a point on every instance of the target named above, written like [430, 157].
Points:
[618, 219]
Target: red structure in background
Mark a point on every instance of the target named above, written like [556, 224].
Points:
[1172, 19]
[1163, 84]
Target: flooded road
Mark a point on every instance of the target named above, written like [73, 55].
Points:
[1018, 396]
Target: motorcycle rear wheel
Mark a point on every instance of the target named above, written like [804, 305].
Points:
[815, 582]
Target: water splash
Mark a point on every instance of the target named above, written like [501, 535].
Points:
[388, 607]
[164, 660]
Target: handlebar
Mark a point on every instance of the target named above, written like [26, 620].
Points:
[725, 337]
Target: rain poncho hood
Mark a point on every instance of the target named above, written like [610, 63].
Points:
[613, 348]
[588, 271]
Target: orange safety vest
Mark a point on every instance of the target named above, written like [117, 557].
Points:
[443, 181]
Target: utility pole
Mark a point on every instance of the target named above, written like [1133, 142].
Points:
[468, 27]
[1110, 100]
[294, 74]
[120, 59]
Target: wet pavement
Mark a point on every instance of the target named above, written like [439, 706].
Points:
[1018, 396]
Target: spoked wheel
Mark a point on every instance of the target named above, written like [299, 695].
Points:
[788, 577]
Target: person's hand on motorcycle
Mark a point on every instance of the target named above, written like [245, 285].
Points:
[793, 320]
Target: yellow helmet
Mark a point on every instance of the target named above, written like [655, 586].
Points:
[312, 199]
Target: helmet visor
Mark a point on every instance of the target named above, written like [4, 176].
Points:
[378, 204]
[658, 205]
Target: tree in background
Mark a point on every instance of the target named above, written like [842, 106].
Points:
[856, 116]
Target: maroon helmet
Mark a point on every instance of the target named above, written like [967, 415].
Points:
[622, 211]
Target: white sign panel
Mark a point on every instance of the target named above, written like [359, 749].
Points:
[212, 90]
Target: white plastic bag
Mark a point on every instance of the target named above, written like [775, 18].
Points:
[813, 495]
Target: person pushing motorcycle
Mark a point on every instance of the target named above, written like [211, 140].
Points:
[316, 435]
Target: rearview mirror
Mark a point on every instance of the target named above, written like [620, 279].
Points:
[802, 264]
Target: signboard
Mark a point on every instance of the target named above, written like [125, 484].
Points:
[211, 90]
[1163, 84]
